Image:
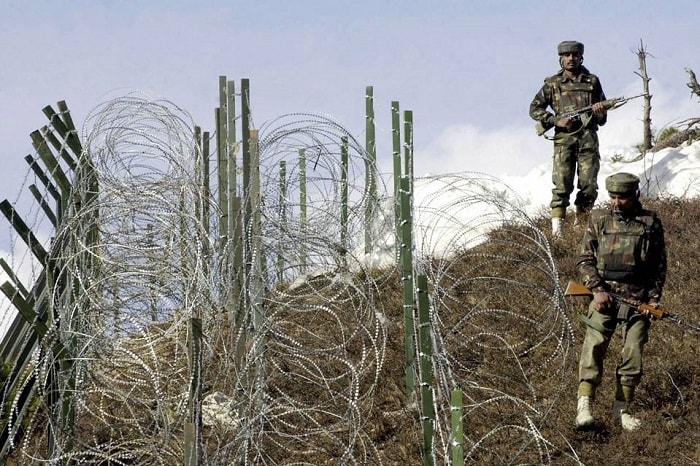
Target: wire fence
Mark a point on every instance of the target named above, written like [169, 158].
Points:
[303, 376]
[502, 333]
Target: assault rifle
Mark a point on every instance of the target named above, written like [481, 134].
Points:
[575, 115]
[578, 289]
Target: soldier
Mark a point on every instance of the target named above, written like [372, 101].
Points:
[575, 140]
[622, 252]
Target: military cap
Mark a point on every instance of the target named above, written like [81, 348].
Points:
[569, 46]
[622, 183]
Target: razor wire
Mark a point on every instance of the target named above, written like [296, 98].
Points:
[303, 383]
[501, 329]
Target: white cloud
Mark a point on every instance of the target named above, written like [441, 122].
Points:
[459, 148]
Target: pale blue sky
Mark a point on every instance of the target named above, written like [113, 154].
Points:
[467, 69]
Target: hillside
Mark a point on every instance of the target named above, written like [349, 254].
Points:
[668, 399]
[299, 357]
[519, 405]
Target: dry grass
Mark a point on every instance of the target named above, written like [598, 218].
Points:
[669, 397]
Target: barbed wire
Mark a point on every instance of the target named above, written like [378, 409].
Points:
[501, 328]
[296, 372]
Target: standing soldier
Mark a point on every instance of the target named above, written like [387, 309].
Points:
[622, 252]
[575, 139]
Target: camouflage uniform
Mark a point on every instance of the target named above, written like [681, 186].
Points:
[577, 148]
[623, 253]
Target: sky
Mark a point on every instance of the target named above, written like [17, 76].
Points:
[468, 71]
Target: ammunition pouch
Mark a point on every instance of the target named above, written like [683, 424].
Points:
[625, 311]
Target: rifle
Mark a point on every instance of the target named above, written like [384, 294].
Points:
[578, 289]
[575, 115]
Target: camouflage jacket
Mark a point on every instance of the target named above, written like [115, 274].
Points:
[624, 254]
[561, 95]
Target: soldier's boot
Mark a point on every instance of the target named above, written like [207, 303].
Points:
[558, 215]
[623, 415]
[624, 397]
[584, 416]
[557, 227]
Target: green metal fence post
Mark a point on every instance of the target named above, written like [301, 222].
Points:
[282, 219]
[198, 176]
[408, 144]
[55, 286]
[231, 145]
[52, 165]
[257, 279]
[206, 195]
[302, 209]
[50, 187]
[63, 124]
[457, 435]
[235, 220]
[370, 167]
[24, 232]
[194, 422]
[409, 302]
[396, 152]
[221, 114]
[344, 199]
[245, 142]
[426, 370]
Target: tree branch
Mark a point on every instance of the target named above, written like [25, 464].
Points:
[693, 84]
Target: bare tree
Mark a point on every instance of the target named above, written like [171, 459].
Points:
[687, 130]
[694, 89]
[646, 121]
[693, 84]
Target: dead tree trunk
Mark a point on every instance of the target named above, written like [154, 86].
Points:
[693, 84]
[694, 89]
[646, 121]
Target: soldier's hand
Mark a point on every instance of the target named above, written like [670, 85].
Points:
[603, 300]
[599, 109]
[648, 313]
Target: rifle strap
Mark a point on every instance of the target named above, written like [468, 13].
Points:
[595, 326]
[566, 138]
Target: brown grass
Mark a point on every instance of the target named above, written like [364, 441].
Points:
[668, 398]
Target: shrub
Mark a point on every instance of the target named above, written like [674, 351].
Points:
[666, 133]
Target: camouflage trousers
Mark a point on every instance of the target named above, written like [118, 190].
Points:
[599, 332]
[571, 153]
